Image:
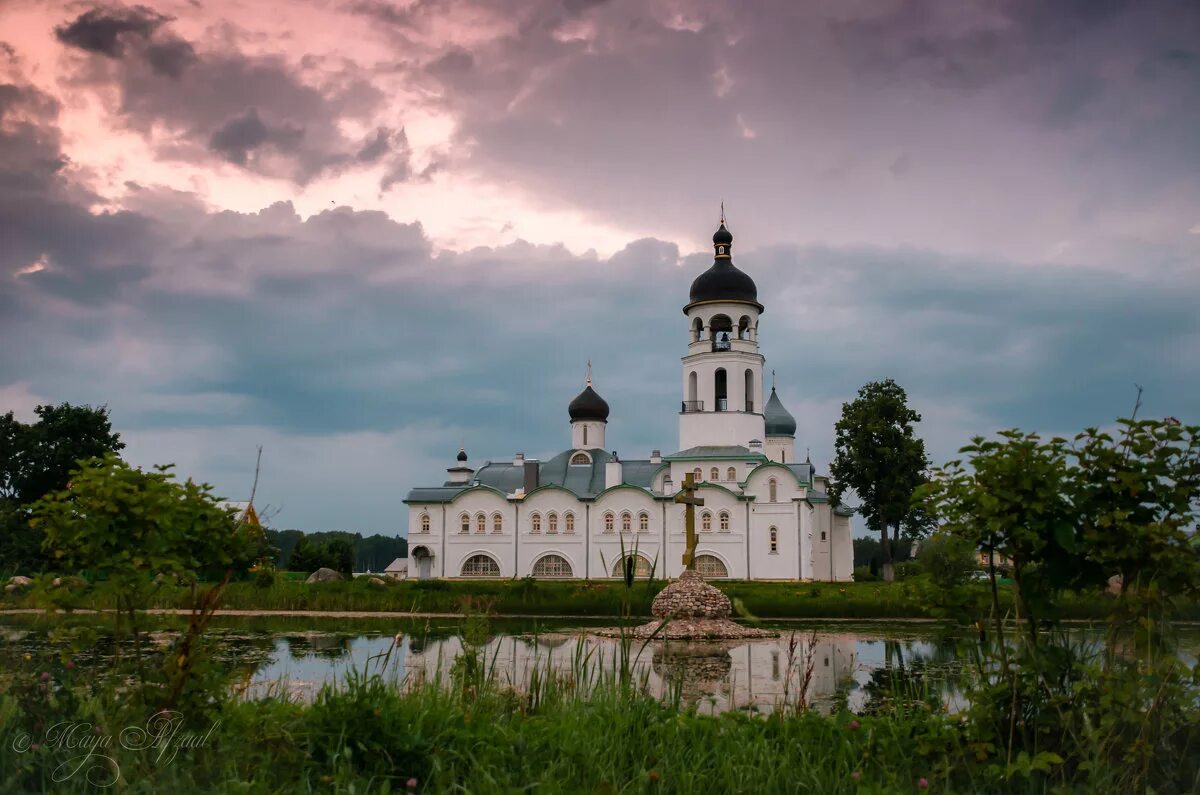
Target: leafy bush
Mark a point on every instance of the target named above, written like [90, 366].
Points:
[948, 561]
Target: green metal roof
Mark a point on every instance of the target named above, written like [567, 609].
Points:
[709, 452]
[584, 481]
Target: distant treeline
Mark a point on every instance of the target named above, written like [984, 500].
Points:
[372, 553]
[869, 552]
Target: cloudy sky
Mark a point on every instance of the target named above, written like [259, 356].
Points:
[360, 232]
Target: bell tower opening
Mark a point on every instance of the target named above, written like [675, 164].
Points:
[720, 391]
[721, 328]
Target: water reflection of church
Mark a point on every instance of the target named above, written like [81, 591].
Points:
[717, 677]
[766, 515]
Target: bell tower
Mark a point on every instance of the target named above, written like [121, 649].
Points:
[722, 370]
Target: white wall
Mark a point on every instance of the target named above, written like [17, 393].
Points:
[594, 432]
[780, 449]
[531, 546]
[606, 547]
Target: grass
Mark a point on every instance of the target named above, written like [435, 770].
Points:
[373, 737]
[550, 736]
[579, 598]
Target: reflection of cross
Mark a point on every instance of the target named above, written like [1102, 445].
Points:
[687, 496]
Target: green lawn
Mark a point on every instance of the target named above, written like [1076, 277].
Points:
[768, 600]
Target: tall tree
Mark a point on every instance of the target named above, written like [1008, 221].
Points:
[37, 459]
[878, 455]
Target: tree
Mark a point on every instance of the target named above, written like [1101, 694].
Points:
[305, 556]
[1013, 499]
[878, 455]
[127, 527]
[37, 459]
[339, 556]
[1137, 499]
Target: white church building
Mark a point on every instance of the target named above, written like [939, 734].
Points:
[766, 515]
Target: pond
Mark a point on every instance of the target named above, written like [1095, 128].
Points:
[826, 664]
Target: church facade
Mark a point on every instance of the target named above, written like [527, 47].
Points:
[766, 515]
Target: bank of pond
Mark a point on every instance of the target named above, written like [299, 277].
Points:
[910, 598]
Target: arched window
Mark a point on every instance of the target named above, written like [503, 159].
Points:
[626, 522]
[774, 541]
[720, 390]
[644, 522]
[749, 390]
[697, 475]
[552, 523]
[569, 521]
[706, 521]
[497, 523]
[480, 523]
[697, 329]
[480, 566]
[535, 523]
[581, 459]
[731, 474]
[693, 390]
[552, 566]
[585, 435]
[724, 521]
[711, 567]
[772, 491]
[744, 328]
[608, 522]
[424, 523]
[465, 522]
[641, 566]
[714, 474]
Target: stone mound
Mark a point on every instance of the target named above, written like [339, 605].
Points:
[690, 609]
[690, 597]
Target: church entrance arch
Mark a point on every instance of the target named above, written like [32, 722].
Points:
[423, 559]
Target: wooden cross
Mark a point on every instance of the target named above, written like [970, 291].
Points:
[687, 496]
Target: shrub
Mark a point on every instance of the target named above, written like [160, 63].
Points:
[865, 574]
[948, 561]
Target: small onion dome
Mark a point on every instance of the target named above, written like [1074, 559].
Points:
[778, 421]
[588, 405]
[723, 281]
[462, 454]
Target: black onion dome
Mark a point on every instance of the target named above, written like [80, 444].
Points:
[462, 454]
[723, 281]
[588, 405]
[779, 421]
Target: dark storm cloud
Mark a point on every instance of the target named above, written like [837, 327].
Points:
[105, 29]
[207, 330]
[347, 322]
[112, 30]
[241, 135]
[258, 112]
[1079, 113]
